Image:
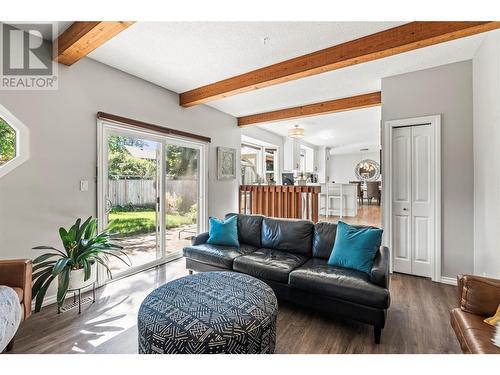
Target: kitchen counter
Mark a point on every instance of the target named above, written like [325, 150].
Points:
[349, 200]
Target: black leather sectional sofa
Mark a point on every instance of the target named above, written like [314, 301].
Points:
[291, 256]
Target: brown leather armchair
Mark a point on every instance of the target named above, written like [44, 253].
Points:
[16, 273]
[478, 298]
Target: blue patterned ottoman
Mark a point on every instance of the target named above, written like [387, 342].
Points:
[210, 312]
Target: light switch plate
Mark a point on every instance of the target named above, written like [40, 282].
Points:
[84, 185]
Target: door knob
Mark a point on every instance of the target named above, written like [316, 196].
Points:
[405, 209]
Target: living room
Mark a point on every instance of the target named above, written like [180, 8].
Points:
[330, 188]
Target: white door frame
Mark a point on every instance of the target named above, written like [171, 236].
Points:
[104, 126]
[435, 122]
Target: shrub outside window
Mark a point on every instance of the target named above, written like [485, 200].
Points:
[14, 142]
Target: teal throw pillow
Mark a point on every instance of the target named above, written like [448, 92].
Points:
[223, 232]
[355, 247]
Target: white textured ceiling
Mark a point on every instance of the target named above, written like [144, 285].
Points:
[184, 55]
[344, 132]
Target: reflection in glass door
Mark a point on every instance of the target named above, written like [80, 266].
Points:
[131, 198]
[182, 192]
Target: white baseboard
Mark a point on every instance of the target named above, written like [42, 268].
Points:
[48, 300]
[448, 280]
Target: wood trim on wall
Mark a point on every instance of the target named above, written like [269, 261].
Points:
[82, 37]
[404, 38]
[156, 128]
[338, 105]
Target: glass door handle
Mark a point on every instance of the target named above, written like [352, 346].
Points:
[108, 206]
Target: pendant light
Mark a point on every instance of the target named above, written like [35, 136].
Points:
[296, 132]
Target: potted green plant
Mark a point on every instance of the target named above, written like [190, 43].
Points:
[75, 267]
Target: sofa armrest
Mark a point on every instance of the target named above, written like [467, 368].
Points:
[17, 273]
[379, 273]
[478, 295]
[199, 239]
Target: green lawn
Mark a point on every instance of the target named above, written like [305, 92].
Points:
[128, 223]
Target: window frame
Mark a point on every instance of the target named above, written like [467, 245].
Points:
[261, 159]
[306, 159]
[22, 141]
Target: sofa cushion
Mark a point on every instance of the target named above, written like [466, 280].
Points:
[292, 236]
[317, 277]
[20, 293]
[269, 264]
[323, 239]
[473, 334]
[215, 255]
[355, 247]
[249, 229]
[223, 232]
[480, 295]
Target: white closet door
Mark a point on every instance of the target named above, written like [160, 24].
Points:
[401, 200]
[422, 207]
[413, 162]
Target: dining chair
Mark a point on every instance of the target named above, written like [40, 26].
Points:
[373, 191]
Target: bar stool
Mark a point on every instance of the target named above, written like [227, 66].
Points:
[323, 200]
[334, 192]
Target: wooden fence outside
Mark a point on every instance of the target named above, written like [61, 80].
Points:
[143, 192]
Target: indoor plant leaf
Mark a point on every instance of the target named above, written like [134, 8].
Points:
[41, 293]
[39, 273]
[44, 257]
[87, 269]
[48, 248]
[62, 289]
[43, 265]
[38, 283]
[83, 229]
[60, 265]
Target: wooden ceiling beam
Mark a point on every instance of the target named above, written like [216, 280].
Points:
[338, 105]
[386, 43]
[82, 37]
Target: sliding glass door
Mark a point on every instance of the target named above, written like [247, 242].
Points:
[182, 195]
[151, 190]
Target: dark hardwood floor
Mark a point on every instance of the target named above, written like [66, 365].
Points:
[418, 321]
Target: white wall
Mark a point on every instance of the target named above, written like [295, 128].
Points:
[43, 194]
[486, 73]
[445, 90]
[341, 167]
[321, 162]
